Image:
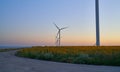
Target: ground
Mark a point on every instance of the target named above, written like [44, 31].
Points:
[10, 63]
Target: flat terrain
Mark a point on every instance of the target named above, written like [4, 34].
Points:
[11, 63]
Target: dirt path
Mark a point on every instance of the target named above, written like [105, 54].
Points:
[11, 63]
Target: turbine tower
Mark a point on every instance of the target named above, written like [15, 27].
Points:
[97, 22]
[58, 37]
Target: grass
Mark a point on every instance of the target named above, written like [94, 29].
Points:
[10, 49]
[104, 55]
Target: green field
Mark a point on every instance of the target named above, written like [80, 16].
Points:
[103, 55]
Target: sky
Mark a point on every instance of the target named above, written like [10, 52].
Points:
[30, 22]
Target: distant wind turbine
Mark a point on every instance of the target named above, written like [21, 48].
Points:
[58, 37]
[97, 23]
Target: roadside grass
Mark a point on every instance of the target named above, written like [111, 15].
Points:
[10, 49]
[103, 55]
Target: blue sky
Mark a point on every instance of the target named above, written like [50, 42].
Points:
[30, 22]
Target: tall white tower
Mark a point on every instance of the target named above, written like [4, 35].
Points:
[97, 23]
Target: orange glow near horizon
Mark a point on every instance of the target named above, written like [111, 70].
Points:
[71, 42]
[65, 41]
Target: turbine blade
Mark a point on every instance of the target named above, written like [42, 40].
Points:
[56, 25]
[56, 42]
[57, 34]
[63, 28]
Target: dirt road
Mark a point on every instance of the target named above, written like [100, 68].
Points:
[11, 63]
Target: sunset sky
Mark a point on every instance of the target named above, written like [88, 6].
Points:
[30, 22]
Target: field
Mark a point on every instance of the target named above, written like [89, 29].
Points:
[103, 55]
[8, 49]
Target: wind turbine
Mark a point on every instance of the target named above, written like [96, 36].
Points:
[58, 37]
[97, 23]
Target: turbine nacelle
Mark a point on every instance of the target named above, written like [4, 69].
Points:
[59, 28]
